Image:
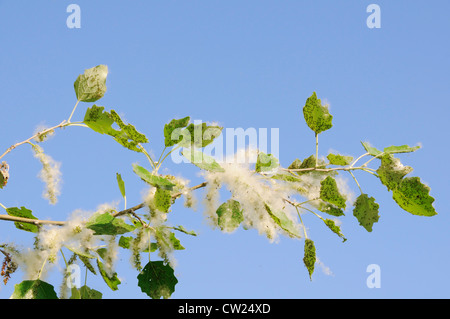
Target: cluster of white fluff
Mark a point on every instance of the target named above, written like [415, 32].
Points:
[50, 174]
[252, 191]
[157, 230]
[190, 201]
[40, 136]
[73, 235]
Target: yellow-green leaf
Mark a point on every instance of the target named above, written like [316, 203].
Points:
[366, 211]
[91, 86]
[316, 115]
[229, 215]
[336, 159]
[171, 127]
[201, 160]
[309, 258]
[413, 196]
[25, 213]
[329, 192]
[391, 171]
[154, 180]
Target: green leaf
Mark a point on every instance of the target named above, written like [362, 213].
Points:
[84, 256]
[184, 230]
[400, 149]
[413, 196]
[328, 208]
[106, 224]
[121, 184]
[129, 136]
[230, 215]
[87, 264]
[85, 292]
[295, 164]
[157, 280]
[199, 135]
[316, 115]
[111, 280]
[173, 125]
[128, 242]
[165, 239]
[310, 162]
[125, 242]
[78, 252]
[3, 180]
[154, 180]
[34, 289]
[266, 163]
[202, 161]
[281, 219]
[391, 171]
[75, 293]
[334, 228]
[4, 174]
[153, 247]
[329, 192]
[88, 293]
[100, 121]
[25, 213]
[102, 252]
[286, 178]
[366, 211]
[162, 200]
[91, 86]
[336, 159]
[176, 244]
[309, 258]
[370, 149]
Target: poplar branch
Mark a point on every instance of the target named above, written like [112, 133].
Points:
[130, 210]
[60, 125]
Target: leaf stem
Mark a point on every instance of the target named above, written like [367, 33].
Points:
[173, 149]
[311, 211]
[60, 125]
[147, 155]
[365, 164]
[62, 254]
[356, 181]
[160, 156]
[42, 268]
[301, 221]
[307, 201]
[353, 164]
[73, 110]
[317, 149]
[85, 276]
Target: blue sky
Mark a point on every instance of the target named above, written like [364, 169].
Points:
[242, 64]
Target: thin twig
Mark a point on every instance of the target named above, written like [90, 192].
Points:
[60, 125]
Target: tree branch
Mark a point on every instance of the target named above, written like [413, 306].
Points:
[60, 125]
[62, 223]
